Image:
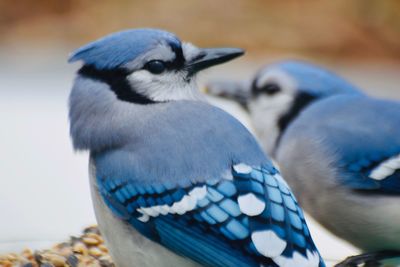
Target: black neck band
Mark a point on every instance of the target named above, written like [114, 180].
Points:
[300, 102]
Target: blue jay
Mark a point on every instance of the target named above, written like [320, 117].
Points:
[174, 180]
[338, 148]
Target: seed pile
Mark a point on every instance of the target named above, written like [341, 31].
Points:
[86, 250]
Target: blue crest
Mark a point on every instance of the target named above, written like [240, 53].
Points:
[316, 80]
[118, 48]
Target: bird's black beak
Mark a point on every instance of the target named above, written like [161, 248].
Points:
[209, 57]
[238, 91]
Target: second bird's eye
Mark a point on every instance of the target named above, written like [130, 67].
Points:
[268, 89]
[155, 66]
[271, 88]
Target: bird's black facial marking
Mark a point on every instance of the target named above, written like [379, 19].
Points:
[158, 66]
[301, 101]
[179, 60]
[118, 83]
[268, 89]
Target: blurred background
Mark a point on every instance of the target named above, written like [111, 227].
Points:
[44, 195]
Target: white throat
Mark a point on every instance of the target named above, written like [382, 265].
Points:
[265, 113]
[165, 87]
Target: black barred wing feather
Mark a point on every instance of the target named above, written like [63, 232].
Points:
[247, 218]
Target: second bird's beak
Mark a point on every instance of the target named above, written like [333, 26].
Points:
[209, 57]
[238, 91]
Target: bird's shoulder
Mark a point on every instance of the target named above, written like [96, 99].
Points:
[187, 140]
[193, 117]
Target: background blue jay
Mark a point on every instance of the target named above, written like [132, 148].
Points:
[338, 148]
[176, 181]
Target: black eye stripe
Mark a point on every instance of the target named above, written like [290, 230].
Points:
[179, 60]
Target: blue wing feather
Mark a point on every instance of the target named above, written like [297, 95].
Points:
[362, 132]
[191, 242]
[215, 231]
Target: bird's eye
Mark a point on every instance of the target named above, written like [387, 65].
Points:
[269, 89]
[155, 66]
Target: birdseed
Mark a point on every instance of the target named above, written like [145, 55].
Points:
[86, 250]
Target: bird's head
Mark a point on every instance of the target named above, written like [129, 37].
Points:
[279, 92]
[148, 65]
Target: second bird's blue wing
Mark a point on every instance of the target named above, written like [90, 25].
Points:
[363, 135]
[249, 217]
